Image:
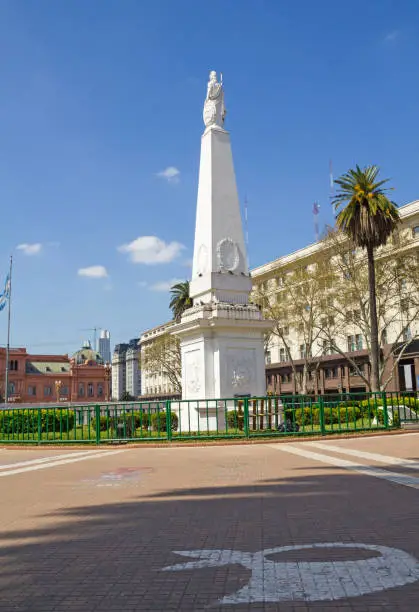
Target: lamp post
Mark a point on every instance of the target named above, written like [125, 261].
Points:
[58, 385]
[108, 370]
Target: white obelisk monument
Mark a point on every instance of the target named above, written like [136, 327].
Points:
[222, 335]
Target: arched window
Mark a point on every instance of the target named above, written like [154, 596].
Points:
[90, 392]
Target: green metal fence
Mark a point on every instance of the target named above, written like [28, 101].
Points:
[293, 415]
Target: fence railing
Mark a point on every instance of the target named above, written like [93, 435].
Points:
[253, 417]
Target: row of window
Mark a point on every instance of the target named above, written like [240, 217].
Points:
[329, 373]
[33, 390]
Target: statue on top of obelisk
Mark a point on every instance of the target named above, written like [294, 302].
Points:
[214, 109]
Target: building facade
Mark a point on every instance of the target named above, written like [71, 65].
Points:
[41, 379]
[334, 357]
[156, 382]
[126, 370]
[104, 345]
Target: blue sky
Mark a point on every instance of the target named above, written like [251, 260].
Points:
[98, 99]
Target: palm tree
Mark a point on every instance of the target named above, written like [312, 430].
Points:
[180, 299]
[368, 217]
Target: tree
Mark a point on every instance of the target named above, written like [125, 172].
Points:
[296, 309]
[162, 356]
[368, 218]
[127, 397]
[346, 308]
[180, 299]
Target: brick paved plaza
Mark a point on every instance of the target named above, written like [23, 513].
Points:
[92, 529]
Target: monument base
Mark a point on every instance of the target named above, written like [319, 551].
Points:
[223, 357]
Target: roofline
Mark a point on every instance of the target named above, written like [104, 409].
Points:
[405, 211]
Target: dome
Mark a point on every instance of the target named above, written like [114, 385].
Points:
[87, 355]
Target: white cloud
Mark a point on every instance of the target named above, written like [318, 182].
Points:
[93, 272]
[165, 285]
[391, 36]
[30, 249]
[171, 174]
[151, 250]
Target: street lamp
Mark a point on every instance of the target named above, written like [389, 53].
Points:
[58, 385]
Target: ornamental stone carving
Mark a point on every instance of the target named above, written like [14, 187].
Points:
[242, 371]
[228, 255]
[214, 109]
[193, 378]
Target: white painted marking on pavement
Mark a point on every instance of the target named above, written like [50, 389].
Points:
[308, 580]
[406, 463]
[43, 466]
[402, 479]
[7, 466]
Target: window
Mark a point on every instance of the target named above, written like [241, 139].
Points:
[100, 390]
[279, 281]
[384, 337]
[32, 390]
[13, 365]
[12, 388]
[282, 354]
[404, 304]
[303, 351]
[301, 328]
[358, 342]
[355, 370]
[285, 378]
[47, 391]
[407, 334]
[47, 369]
[90, 392]
[284, 331]
[328, 346]
[63, 369]
[81, 389]
[64, 391]
[331, 372]
[351, 343]
[415, 231]
[268, 356]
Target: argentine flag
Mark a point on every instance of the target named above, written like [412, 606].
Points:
[6, 293]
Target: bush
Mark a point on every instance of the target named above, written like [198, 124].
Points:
[311, 415]
[19, 421]
[138, 419]
[235, 420]
[159, 421]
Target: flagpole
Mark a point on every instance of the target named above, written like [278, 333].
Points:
[6, 394]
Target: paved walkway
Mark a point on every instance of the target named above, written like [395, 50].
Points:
[212, 528]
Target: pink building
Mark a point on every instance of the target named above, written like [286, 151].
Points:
[41, 379]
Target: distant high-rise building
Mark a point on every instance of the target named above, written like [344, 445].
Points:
[104, 345]
[126, 372]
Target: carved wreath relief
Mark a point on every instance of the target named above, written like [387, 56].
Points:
[228, 255]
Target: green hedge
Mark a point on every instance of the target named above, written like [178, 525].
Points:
[17, 421]
[235, 420]
[139, 419]
[311, 416]
[159, 421]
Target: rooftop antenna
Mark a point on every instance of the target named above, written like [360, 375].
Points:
[316, 210]
[331, 180]
[246, 231]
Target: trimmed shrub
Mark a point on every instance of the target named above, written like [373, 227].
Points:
[235, 420]
[132, 420]
[25, 421]
[159, 422]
